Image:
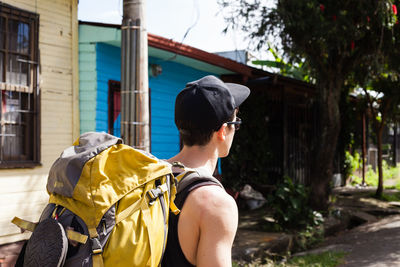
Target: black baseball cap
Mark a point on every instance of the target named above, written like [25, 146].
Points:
[207, 103]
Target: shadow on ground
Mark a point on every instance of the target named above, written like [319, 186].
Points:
[353, 208]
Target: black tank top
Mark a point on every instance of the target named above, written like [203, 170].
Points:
[173, 256]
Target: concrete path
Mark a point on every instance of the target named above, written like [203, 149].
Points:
[376, 242]
[370, 245]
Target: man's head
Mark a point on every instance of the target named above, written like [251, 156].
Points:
[204, 106]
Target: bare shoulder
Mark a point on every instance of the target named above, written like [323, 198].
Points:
[217, 220]
[212, 201]
[207, 226]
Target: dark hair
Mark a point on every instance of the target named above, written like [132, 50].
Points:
[191, 136]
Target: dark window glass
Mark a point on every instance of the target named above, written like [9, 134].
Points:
[17, 70]
[2, 32]
[1, 66]
[18, 39]
[11, 126]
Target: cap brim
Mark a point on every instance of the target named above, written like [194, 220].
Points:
[239, 92]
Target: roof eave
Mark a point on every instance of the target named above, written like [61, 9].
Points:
[189, 51]
[169, 45]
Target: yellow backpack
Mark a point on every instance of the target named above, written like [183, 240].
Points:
[109, 200]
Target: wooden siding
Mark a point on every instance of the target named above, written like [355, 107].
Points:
[108, 65]
[23, 191]
[87, 87]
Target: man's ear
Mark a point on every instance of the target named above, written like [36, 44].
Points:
[221, 133]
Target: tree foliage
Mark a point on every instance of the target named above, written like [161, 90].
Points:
[298, 70]
[381, 84]
[334, 37]
[384, 107]
[325, 32]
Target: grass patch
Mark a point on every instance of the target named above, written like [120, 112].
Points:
[388, 197]
[371, 177]
[326, 259]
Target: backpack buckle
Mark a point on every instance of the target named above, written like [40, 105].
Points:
[152, 195]
[155, 193]
[96, 246]
[178, 165]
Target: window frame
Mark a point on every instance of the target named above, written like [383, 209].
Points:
[113, 87]
[30, 143]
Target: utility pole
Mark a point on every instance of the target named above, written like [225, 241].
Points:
[135, 119]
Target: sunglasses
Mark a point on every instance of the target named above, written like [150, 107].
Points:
[236, 123]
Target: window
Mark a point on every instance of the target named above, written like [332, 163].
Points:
[19, 91]
[114, 108]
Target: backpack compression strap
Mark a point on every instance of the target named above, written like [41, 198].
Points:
[97, 249]
[24, 225]
[174, 186]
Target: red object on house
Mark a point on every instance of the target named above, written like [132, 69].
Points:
[394, 8]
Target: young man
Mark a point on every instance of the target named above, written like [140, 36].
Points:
[203, 233]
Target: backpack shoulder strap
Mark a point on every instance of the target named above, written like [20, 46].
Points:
[191, 176]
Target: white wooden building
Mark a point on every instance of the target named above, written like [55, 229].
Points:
[39, 102]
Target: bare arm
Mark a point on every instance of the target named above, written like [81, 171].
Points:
[218, 224]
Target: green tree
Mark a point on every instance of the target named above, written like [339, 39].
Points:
[334, 37]
[383, 105]
[381, 85]
[297, 71]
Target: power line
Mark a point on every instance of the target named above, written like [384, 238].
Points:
[197, 17]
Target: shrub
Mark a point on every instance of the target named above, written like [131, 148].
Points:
[308, 238]
[372, 177]
[351, 163]
[290, 206]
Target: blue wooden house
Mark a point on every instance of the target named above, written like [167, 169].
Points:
[171, 66]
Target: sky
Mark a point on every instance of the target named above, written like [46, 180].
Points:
[172, 19]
